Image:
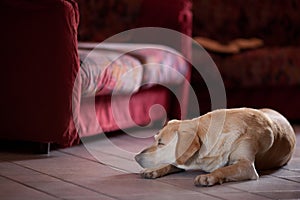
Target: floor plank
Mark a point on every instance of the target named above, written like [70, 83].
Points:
[99, 171]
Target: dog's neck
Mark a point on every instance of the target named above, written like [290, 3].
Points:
[209, 129]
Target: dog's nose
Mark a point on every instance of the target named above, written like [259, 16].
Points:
[137, 157]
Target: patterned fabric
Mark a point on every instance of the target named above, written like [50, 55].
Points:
[276, 22]
[124, 68]
[102, 72]
[161, 66]
[266, 67]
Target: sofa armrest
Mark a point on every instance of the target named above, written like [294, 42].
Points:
[175, 15]
[39, 66]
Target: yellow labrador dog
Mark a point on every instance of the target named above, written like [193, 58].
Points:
[230, 144]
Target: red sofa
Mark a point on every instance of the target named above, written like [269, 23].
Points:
[40, 55]
[39, 50]
[268, 76]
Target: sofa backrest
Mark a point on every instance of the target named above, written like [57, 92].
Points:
[102, 19]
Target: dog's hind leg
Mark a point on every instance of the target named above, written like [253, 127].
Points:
[159, 172]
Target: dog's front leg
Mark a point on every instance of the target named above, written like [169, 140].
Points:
[241, 170]
[159, 172]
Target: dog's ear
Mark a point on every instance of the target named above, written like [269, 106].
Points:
[188, 142]
[171, 122]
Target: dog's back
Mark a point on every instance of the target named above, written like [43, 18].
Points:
[283, 146]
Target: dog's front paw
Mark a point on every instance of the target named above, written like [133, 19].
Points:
[206, 180]
[150, 174]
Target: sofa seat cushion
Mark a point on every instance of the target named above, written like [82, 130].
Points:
[125, 68]
[265, 67]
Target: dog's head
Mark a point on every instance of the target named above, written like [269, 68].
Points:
[174, 144]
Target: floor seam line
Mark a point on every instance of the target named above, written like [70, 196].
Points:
[63, 180]
[31, 187]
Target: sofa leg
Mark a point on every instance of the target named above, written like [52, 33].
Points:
[43, 148]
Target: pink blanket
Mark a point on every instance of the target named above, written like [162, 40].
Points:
[125, 68]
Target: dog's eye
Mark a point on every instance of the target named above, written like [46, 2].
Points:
[159, 143]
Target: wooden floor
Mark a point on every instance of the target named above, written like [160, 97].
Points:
[99, 170]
